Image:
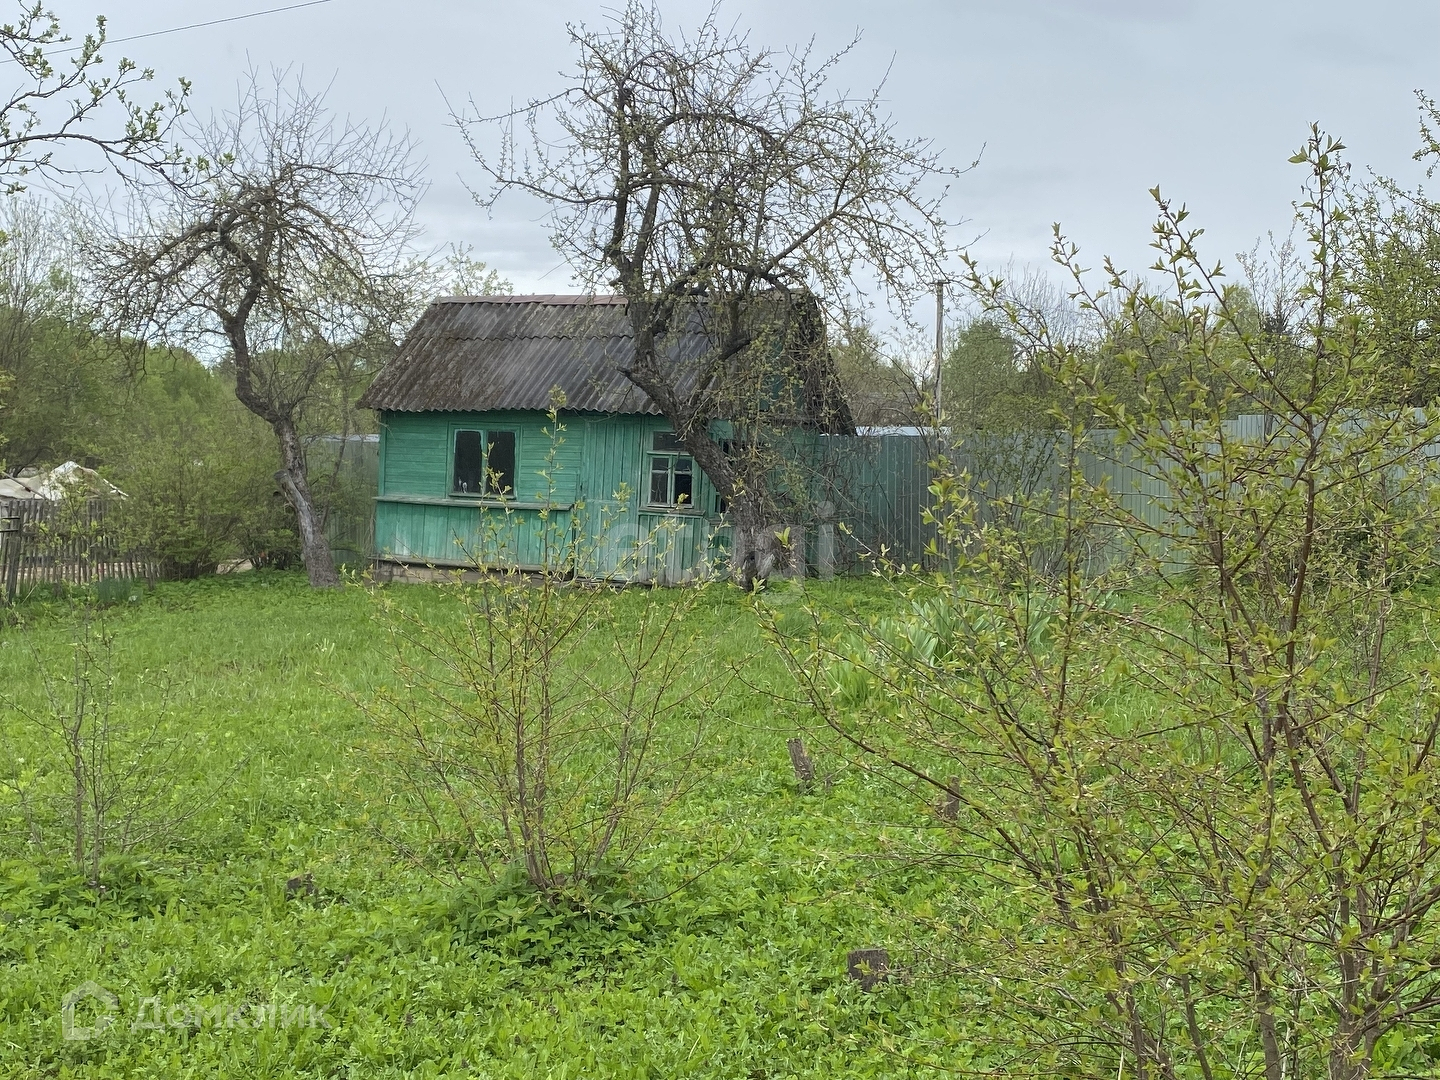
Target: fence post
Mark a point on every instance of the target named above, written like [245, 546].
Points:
[797, 551]
[10, 524]
[803, 766]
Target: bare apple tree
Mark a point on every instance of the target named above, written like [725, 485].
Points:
[705, 178]
[286, 243]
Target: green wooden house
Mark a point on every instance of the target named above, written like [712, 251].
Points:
[473, 470]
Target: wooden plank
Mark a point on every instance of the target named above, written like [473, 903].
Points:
[48, 543]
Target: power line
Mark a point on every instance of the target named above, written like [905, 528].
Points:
[189, 26]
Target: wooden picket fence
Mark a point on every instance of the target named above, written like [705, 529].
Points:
[46, 543]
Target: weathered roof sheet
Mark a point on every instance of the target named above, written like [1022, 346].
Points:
[52, 485]
[477, 353]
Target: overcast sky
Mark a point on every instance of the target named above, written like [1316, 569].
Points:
[1080, 106]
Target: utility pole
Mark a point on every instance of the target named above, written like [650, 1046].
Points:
[939, 347]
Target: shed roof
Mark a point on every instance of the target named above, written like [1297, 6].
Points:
[483, 353]
[52, 485]
[477, 353]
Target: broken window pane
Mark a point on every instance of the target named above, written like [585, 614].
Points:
[684, 494]
[500, 463]
[469, 465]
[660, 481]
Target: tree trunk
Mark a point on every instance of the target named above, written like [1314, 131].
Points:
[291, 478]
[754, 552]
[1350, 1051]
[748, 545]
[314, 551]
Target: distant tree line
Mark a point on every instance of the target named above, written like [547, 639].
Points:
[198, 469]
[1387, 280]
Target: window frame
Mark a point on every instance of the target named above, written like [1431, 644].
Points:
[670, 456]
[486, 434]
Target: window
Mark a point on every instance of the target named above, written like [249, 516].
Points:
[500, 463]
[484, 463]
[672, 472]
[469, 463]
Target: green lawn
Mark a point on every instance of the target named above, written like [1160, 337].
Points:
[739, 974]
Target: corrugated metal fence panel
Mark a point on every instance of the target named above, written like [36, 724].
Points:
[344, 474]
[877, 486]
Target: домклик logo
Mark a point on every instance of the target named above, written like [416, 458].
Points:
[106, 1002]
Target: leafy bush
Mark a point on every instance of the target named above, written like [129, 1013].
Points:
[196, 469]
[540, 722]
[91, 774]
[1197, 758]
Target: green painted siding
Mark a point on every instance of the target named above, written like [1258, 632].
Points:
[590, 476]
[624, 537]
[461, 534]
[581, 492]
[413, 455]
[418, 448]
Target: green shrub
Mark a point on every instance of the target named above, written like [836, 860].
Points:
[197, 470]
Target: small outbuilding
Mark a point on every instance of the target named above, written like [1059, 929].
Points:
[474, 470]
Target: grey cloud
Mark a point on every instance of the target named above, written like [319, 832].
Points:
[1083, 104]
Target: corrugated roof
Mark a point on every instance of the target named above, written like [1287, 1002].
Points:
[477, 353]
